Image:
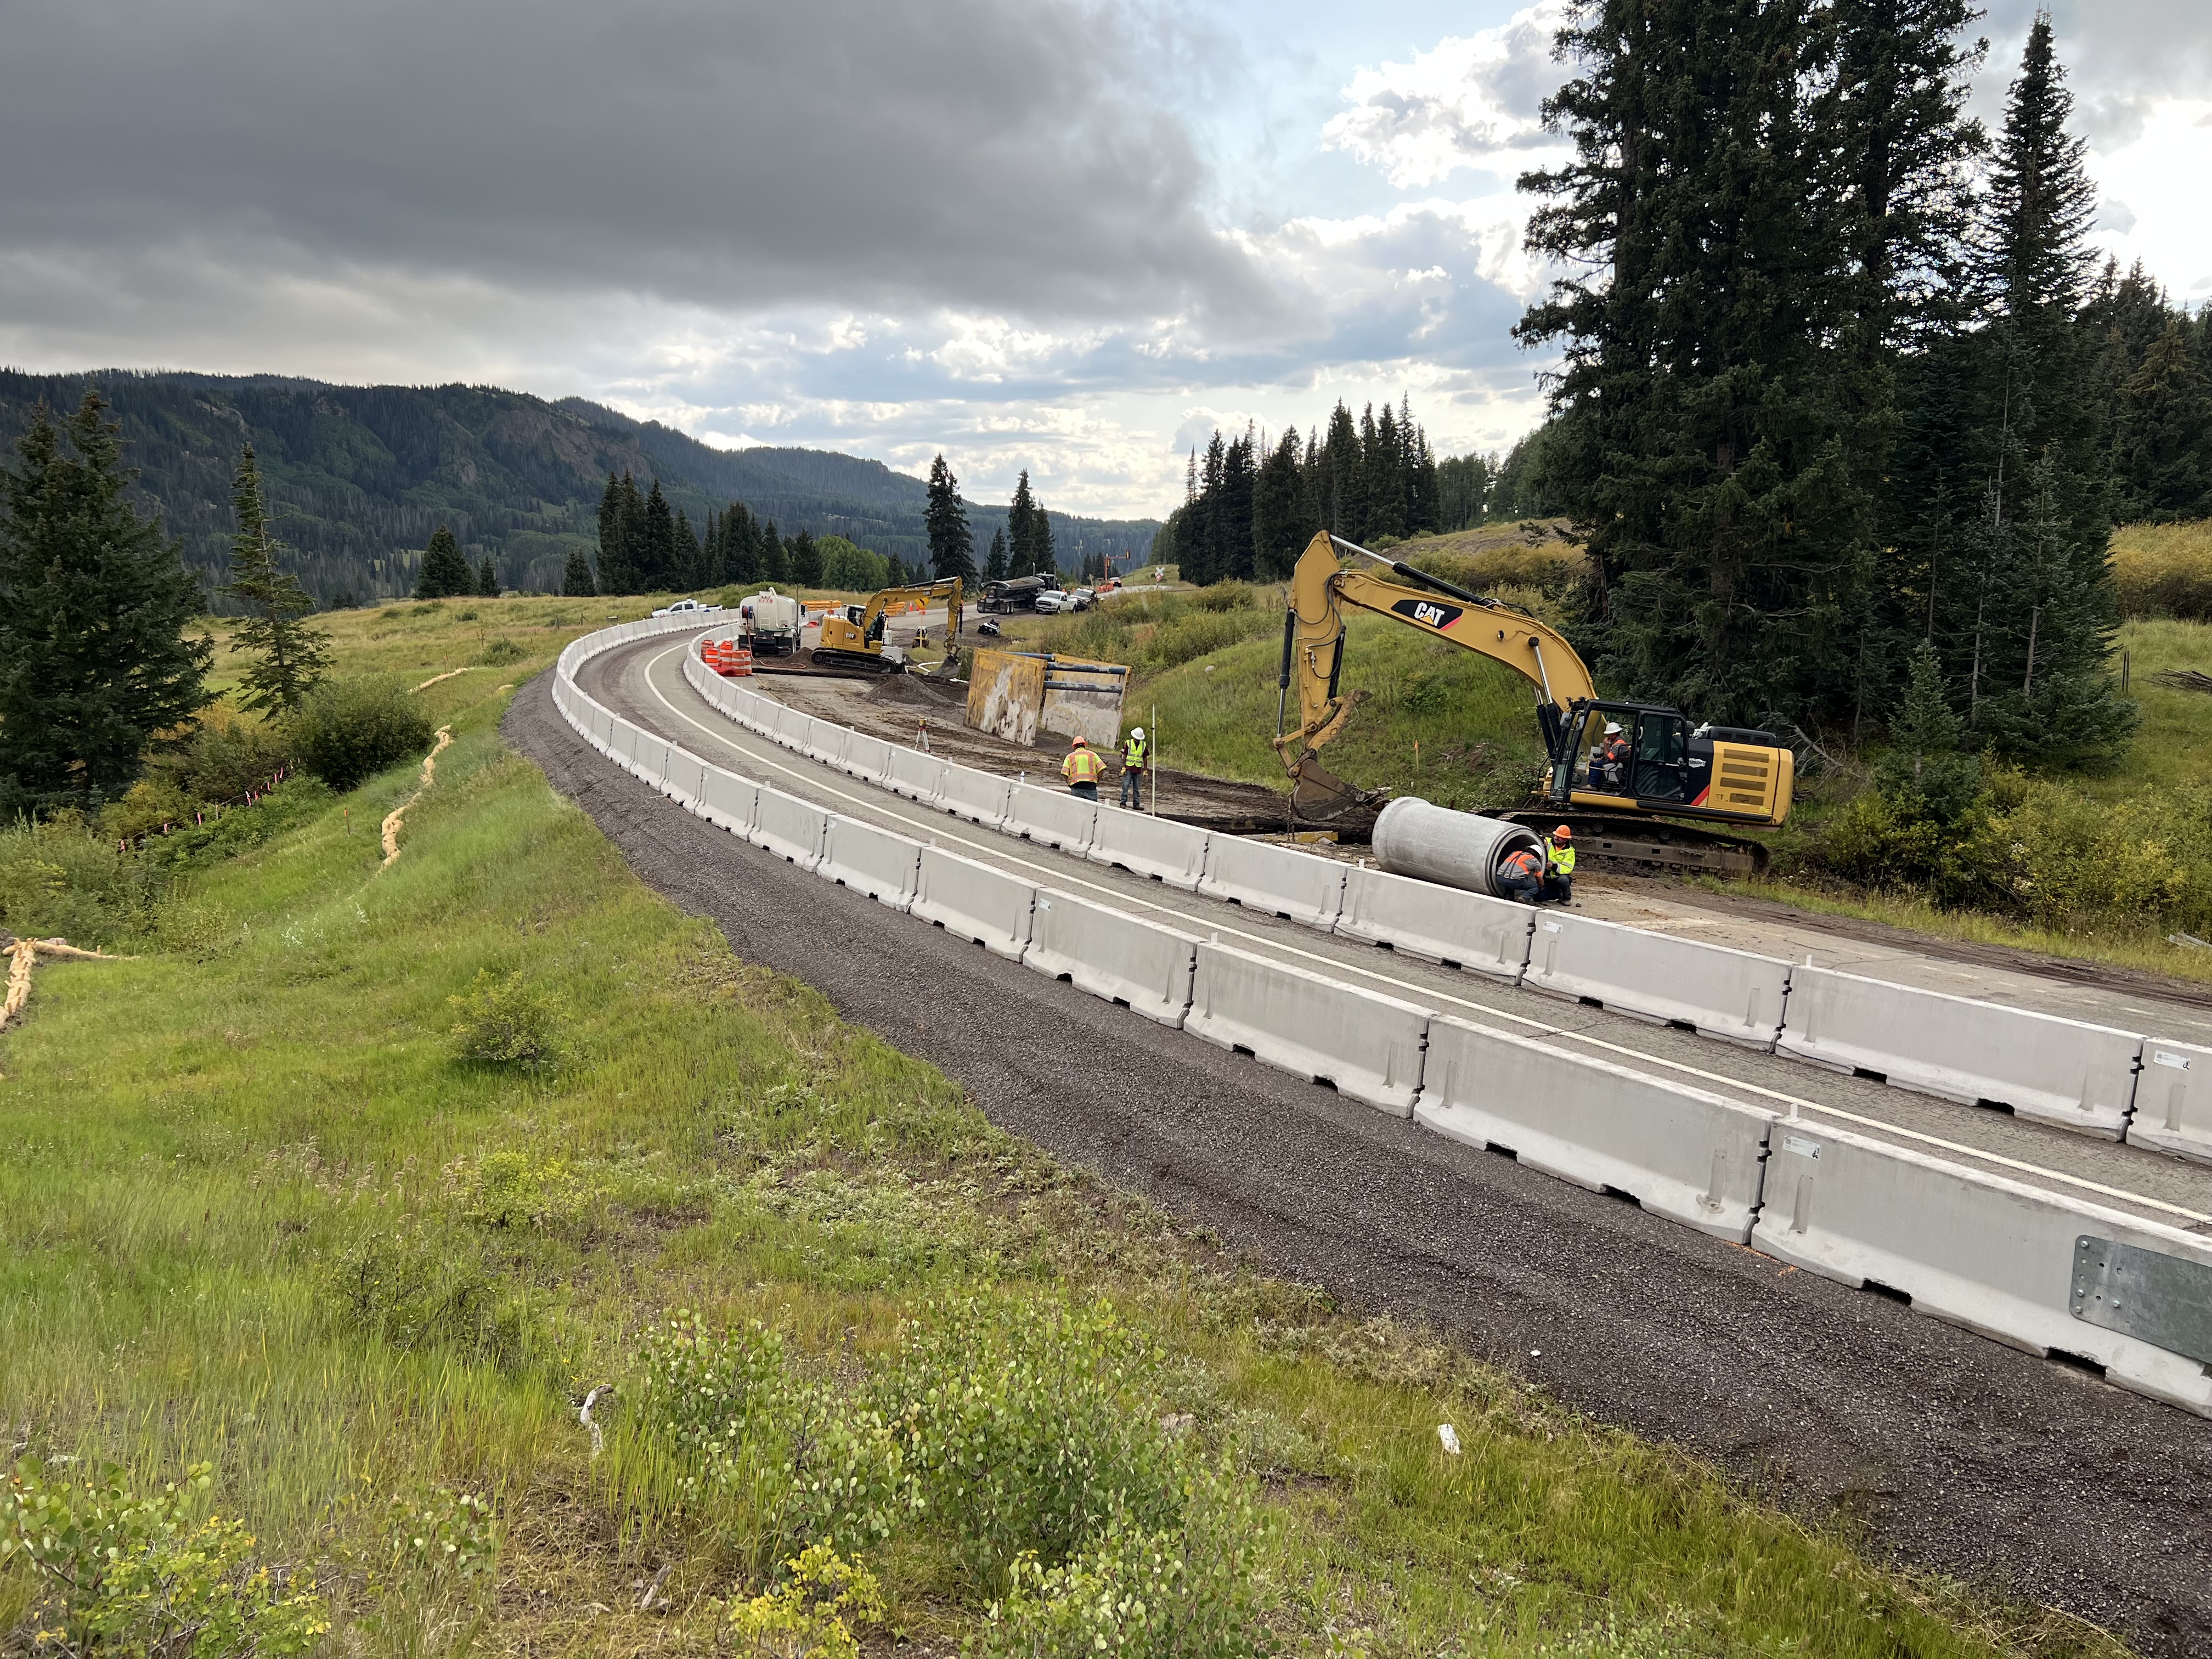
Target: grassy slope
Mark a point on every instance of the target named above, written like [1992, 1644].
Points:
[195, 1145]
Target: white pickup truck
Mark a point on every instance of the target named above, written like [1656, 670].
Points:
[685, 608]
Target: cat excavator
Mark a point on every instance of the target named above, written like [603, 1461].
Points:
[1635, 781]
[852, 635]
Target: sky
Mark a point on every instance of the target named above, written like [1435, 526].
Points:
[1066, 235]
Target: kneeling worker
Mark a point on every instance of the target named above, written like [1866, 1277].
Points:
[1521, 875]
[1083, 770]
[1559, 866]
[1135, 759]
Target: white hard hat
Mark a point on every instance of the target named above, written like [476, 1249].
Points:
[1139, 733]
[1613, 728]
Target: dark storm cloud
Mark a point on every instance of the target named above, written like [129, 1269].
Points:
[741, 155]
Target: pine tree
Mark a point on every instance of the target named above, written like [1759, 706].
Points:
[741, 548]
[290, 655]
[445, 574]
[621, 514]
[805, 560]
[895, 573]
[576, 579]
[1337, 487]
[2163, 449]
[775, 565]
[994, 563]
[487, 586]
[657, 569]
[94, 663]
[1021, 536]
[1231, 521]
[1041, 543]
[687, 569]
[951, 547]
[1923, 770]
[1281, 529]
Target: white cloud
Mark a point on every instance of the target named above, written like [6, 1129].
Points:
[2156, 182]
[1470, 101]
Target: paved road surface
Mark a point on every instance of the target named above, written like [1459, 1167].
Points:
[1962, 1455]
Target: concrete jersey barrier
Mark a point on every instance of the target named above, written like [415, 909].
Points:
[2173, 1099]
[1467, 930]
[1365, 1045]
[973, 902]
[1680, 1151]
[870, 861]
[788, 828]
[915, 775]
[1145, 846]
[2006, 1260]
[1051, 817]
[2054, 1070]
[1142, 965]
[979, 796]
[730, 800]
[1722, 992]
[1302, 886]
[867, 757]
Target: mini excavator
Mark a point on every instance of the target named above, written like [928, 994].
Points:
[1635, 781]
[853, 635]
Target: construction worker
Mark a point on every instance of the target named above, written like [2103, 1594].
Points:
[1559, 866]
[1521, 876]
[1135, 756]
[1608, 765]
[1082, 768]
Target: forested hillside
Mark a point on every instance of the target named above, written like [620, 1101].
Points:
[358, 477]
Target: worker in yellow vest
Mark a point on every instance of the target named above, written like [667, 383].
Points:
[1082, 768]
[1136, 755]
[1560, 866]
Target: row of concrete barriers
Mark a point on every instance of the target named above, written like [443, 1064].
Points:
[2118, 1084]
[2032, 1268]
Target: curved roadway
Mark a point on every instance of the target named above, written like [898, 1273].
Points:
[1965, 1456]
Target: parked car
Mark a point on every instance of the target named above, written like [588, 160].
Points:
[684, 608]
[1085, 598]
[1050, 603]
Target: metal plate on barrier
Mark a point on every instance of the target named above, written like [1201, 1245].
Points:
[2162, 1299]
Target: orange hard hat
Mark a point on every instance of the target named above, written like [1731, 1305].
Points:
[1563, 834]
[1081, 742]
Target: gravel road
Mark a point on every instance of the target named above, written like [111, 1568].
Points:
[1953, 1452]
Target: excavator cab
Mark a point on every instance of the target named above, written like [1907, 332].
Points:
[1656, 761]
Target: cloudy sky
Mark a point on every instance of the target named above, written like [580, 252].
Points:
[1061, 234]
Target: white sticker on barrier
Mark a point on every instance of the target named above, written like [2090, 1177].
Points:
[979, 796]
[1303, 887]
[870, 861]
[2173, 1099]
[1680, 1151]
[788, 828]
[1167, 851]
[1112, 954]
[1051, 817]
[1722, 992]
[1366, 1045]
[2056, 1071]
[1977, 1249]
[1473, 931]
[973, 901]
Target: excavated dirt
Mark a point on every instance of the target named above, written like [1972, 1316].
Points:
[1956, 1453]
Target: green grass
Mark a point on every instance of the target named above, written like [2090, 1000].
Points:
[253, 1210]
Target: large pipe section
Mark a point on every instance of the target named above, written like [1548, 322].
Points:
[1415, 837]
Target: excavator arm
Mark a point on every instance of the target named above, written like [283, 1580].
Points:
[948, 589]
[854, 636]
[1313, 640]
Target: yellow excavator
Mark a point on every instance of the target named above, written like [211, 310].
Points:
[1635, 781]
[853, 635]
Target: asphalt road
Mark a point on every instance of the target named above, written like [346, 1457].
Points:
[1958, 1454]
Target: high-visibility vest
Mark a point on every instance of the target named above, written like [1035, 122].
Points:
[1523, 862]
[1082, 766]
[1132, 753]
[1561, 855]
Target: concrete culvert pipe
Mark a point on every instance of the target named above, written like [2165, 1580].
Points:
[1413, 837]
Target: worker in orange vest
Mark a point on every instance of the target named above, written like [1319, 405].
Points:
[1082, 768]
[1521, 876]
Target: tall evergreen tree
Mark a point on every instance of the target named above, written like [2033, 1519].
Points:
[444, 573]
[2162, 452]
[487, 578]
[577, 581]
[951, 547]
[1715, 449]
[94, 663]
[1339, 485]
[658, 565]
[995, 563]
[774, 564]
[1041, 543]
[1281, 527]
[621, 514]
[689, 566]
[1021, 536]
[289, 653]
[805, 560]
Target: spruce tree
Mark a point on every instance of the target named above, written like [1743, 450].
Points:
[895, 573]
[488, 579]
[951, 547]
[658, 566]
[688, 566]
[1041, 544]
[577, 581]
[994, 563]
[776, 566]
[2163, 448]
[1281, 529]
[621, 512]
[1923, 770]
[1021, 536]
[94, 663]
[805, 560]
[289, 655]
[444, 573]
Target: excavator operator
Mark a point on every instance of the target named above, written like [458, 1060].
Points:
[1608, 765]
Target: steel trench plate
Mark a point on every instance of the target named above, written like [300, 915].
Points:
[2165, 1300]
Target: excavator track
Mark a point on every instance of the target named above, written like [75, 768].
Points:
[1646, 843]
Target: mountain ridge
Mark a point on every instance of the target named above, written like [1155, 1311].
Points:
[358, 477]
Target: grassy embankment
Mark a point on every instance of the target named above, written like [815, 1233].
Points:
[257, 1208]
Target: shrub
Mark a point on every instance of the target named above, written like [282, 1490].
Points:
[121, 1572]
[807, 1615]
[61, 877]
[443, 1536]
[513, 1189]
[502, 652]
[349, 730]
[413, 1288]
[503, 1022]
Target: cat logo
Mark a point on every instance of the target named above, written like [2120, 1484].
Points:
[1428, 612]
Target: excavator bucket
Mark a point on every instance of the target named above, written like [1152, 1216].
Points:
[1321, 799]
